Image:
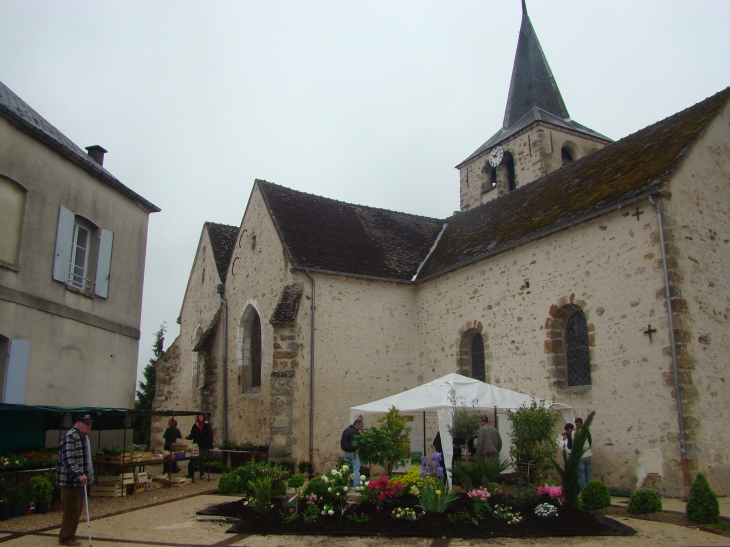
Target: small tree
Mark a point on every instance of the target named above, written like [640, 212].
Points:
[388, 445]
[464, 423]
[146, 391]
[702, 505]
[569, 471]
[533, 433]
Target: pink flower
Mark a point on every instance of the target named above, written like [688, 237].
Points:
[550, 491]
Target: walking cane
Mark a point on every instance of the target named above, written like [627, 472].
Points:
[86, 503]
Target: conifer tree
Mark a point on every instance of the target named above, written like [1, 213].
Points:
[146, 391]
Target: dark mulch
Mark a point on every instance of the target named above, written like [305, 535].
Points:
[569, 522]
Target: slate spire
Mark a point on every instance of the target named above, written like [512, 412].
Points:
[532, 84]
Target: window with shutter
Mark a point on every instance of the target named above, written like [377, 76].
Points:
[16, 372]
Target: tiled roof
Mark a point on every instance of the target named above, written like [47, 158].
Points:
[22, 114]
[325, 234]
[288, 305]
[634, 166]
[222, 240]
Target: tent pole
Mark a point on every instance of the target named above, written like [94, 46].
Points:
[496, 425]
[424, 433]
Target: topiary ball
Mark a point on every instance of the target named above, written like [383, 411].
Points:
[702, 505]
[643, 501]
[595, 495]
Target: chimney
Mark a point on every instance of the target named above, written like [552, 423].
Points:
[97, 153]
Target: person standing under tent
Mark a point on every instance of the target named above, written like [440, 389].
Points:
[202, 435]
[489, 441]
[73, 472]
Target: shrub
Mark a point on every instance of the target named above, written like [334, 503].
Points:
[319, 488]
[216, 467]
[411, 478]
[260, 495]
[230, 483]
[286, 465]
[480, 472]
[521, 497]
[702, 505]
[306, 468]
[533, 433]
[388, 445]
[296, 481]
[41, 488]
[595, 495]
[643, 501]
[464, 424]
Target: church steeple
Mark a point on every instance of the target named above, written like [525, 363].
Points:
[532, 84]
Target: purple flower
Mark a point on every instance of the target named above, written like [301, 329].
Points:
[424, 459]
[423, 472]
[437, 457]
[439, 472]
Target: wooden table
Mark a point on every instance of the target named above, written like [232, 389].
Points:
[141, 464]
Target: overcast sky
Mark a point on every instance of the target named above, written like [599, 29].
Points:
[367, 102]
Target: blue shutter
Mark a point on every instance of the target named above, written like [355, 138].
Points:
[16, 372]
[104, 263]
[64, 245]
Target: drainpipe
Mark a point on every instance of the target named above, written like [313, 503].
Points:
[220, 289]
[311, 375]
[672, 341]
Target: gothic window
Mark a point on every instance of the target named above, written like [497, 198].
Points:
[256, 352]
[250, 339]
[577, 350]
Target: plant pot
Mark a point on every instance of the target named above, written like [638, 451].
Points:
[15, 511]
[56, 506]
[27, 512]
[41, 507]
[4, 512]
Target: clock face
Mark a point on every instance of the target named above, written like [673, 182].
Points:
[495, 156]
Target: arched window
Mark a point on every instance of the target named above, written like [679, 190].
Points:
[577, 349]
[566, 155]
[477, 359]
[509, 163]
[250, 337]
[472, 361]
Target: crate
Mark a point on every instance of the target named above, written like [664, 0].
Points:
[111, 480]
[106, 491]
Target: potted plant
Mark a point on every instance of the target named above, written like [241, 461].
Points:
[14, 501]
[4, 507]
[26, 500]
[56, 504]
[41, 491]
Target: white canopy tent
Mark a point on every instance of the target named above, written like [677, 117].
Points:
[436, 396]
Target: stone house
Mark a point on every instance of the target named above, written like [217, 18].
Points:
[578, 268]
[72, 253]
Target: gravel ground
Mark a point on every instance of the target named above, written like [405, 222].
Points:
[99, 507]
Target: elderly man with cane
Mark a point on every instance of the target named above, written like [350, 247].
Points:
[73, 472]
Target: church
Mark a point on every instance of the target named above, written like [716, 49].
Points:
[578, 268]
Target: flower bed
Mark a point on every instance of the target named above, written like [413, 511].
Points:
[365, 520]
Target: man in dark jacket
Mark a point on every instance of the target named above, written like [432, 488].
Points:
[73, 473]
[350, 451]
[202, 435]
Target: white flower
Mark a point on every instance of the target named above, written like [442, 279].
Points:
[363, 477]
[352, 476]
[334, 473]
[325, 479]
[344, 488]
[337, 495]
[345, 468]
[329, 489]
[330, 512]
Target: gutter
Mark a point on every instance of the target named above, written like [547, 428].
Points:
[311, 373]
[221, 289]
[673, 343]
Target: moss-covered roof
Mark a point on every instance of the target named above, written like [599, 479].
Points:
[326, 234]
[633, 166]
[222, 241]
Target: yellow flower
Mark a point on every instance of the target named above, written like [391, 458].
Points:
[438, 492]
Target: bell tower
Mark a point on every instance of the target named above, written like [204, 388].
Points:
[537, 134]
